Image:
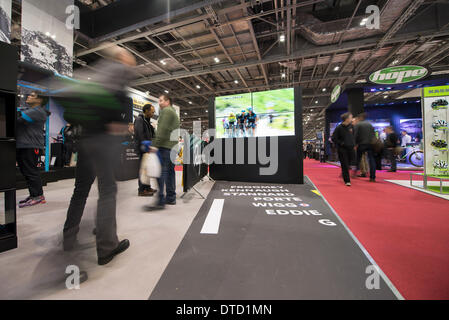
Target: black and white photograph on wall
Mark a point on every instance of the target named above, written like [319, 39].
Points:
[46, 40]
[5, 20]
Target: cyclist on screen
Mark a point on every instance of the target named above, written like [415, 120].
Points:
[225, 127]
[232, 119]
[241, 122]
[252, 122]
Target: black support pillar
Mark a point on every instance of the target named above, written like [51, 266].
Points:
[356, 101]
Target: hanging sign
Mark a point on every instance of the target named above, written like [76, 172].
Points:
[399, 75]
[336, 93]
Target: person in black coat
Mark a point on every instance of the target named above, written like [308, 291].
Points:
[391, 143]
[144, 131]
[343, 137]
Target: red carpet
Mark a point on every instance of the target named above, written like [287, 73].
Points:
[404, 230]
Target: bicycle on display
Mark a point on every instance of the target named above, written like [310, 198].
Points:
[415, 156]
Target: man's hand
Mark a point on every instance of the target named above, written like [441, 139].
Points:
[154, 149]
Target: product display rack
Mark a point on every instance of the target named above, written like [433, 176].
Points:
[435, 111]
[8, 88]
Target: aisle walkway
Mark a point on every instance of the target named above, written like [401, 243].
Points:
[405, 231]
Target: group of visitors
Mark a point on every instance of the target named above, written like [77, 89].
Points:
[356, 142]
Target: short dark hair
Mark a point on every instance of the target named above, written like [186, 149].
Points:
[345, 116]
[146, 107]
[362, 116]
[167, 97]
[41, 97]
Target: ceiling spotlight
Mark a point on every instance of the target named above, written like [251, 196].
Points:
[216, 60]
[88, 78]
[336, 68]
[316, 102]
[236, 81]
[207, 111]
[185, 113]
[198, 86]
[282, 38]
[283, 75]
[324, 89]
[190, 102]
[166, 91]
[385, 97]
[363, 22]
[163, 62]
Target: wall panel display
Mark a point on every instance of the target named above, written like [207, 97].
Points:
[5, 20]
[435, 116]
[46, 40]
[259, 114]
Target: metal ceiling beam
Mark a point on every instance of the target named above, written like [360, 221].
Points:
[303, 53]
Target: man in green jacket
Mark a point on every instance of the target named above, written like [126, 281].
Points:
[167, 123]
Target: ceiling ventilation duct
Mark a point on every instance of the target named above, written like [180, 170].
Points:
[324, 33]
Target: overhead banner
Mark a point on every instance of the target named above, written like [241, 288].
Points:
[47, 40]
[398, 75]
[5, 20]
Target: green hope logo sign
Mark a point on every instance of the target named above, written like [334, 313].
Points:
[398, 75]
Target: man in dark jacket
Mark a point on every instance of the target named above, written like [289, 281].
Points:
[144, 131]
[365, 136]
[30, 138]
[344, 140]
[391, 142]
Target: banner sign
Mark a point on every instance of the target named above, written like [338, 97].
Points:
[336, 93]
[46, 39]
[435, 104]
[5, 20]
[399, 75]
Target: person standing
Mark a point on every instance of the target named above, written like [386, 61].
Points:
[167, 123]
[344, 140]
[30, 139]
[144, 131]
[406, 139]
[364, 137]
[391, 143]
[102, 129]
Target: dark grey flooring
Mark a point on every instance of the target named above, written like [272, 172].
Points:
[260, 256]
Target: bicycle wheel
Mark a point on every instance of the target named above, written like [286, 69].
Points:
[416, 158]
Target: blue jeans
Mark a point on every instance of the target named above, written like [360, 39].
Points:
[371, 161]
[167, 178]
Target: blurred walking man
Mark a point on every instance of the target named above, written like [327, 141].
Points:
[365, 136]
[102, 124]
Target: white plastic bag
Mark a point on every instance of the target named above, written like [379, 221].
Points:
[150, 167]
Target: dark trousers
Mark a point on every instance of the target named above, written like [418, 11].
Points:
[27, 159]
[95, 160]
[346, 156]
[391, 156]
[167, 181]
[371, 161]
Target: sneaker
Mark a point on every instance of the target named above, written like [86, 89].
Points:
[26, 200]
[155, 208]
[348, 184]
[171, 203]
[372, 180]
[361, 176]
[32, 202]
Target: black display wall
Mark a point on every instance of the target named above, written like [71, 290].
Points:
[290, 165]
[8, 87]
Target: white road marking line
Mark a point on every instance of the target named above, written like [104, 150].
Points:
[212, 222]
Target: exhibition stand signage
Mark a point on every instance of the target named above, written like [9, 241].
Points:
[336, 93]
[399, 75]
[435, 110]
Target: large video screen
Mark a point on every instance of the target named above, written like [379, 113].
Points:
[259, 114]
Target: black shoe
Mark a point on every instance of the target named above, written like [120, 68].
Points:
[145, 193]
[391, 171]
[69, 245]
[372, 180]
[122, 246]
[361, 176]
[83, 276]
[171, 203]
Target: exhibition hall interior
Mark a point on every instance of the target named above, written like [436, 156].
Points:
[244, 150]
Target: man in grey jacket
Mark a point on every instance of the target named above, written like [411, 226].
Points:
[30, 139]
